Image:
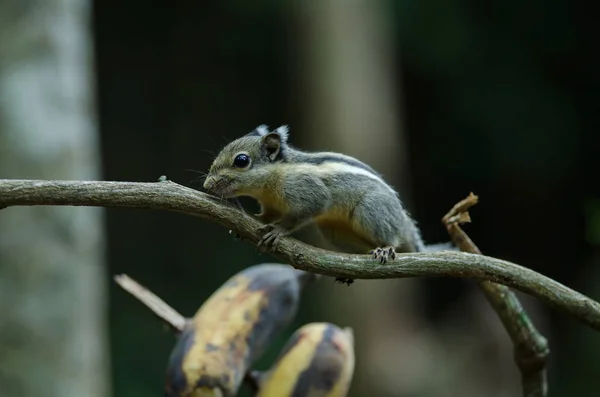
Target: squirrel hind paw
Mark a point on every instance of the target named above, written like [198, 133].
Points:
[383, 254]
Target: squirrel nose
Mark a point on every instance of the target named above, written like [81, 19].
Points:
[209, 183]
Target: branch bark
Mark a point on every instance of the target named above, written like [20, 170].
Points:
[170, 196]
[530, 347]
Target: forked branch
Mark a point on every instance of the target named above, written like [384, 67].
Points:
[530, 347]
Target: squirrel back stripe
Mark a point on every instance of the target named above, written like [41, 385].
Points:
[331, 157]
[331, 168]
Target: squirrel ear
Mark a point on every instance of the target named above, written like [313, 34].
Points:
[272, 145]
[261, 130]
[283, 132]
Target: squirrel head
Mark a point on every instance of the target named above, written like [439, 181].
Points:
[242, 167]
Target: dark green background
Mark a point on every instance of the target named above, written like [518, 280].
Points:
[501, 99]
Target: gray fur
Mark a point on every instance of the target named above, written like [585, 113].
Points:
[308, 196]
[376, 205]
[363, 200]
[378, 209]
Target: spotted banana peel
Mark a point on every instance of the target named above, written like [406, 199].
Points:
[317, 361]
[232, 329]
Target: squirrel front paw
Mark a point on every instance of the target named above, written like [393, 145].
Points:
[270, 239]
[383, 254]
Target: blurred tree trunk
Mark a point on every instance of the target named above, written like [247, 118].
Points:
[346, 69]
[52, 289]
[350, 96]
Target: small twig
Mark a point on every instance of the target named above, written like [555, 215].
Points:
[173, 197]
[530, 347]
[159, 307]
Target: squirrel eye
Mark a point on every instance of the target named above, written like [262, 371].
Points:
[241, 161]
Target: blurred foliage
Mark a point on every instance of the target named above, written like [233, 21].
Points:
[500, 99]
[487, 62]
[592, 215]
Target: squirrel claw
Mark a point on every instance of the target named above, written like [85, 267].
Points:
[383, 254]
[270, 239]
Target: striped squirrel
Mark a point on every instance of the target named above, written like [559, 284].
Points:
[355, 210]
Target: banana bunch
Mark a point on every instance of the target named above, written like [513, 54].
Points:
[216, 349]
[317, 361]
[232, 329]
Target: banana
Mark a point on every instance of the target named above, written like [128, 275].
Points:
[317, 361]
[232, 329]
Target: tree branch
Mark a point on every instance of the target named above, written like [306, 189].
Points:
[166, 195]
[530, 347]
